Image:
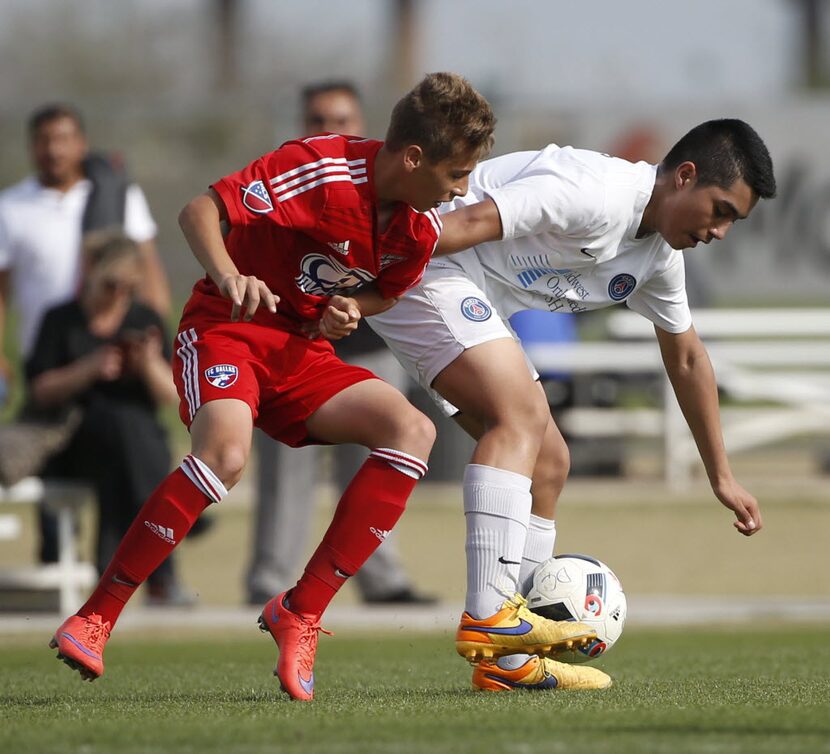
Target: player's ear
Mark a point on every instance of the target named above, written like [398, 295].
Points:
[413, 157]
[685, 174]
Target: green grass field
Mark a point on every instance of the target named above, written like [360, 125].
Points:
[766, 689]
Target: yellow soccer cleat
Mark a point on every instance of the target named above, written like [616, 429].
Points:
[515, 629]
[538, 674]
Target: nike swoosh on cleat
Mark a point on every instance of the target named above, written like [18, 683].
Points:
[80, 646]
[508, 562]
[548, 683]
[523, 627]
[274, 616]
[308, 686]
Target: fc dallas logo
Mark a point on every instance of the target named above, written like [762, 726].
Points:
[256, 198]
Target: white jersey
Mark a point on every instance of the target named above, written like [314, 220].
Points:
[570, 219]
[40, 242]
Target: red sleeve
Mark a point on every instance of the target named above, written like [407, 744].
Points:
[398, 278]
[279, 187]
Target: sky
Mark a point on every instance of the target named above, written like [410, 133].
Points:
[578, 51]
[641, 49]
[524, 51]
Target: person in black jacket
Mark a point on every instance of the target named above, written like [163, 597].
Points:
[107, 354]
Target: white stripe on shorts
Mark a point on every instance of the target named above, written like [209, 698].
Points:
[190, 370]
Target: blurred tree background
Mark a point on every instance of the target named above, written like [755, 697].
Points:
[189, 90]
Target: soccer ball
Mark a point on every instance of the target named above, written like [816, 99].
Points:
[580, 588]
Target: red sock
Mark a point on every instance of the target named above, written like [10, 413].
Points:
[160, 525]
[369, 509]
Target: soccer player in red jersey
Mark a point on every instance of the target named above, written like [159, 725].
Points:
[323, 231]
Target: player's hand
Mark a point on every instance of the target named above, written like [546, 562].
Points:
[743, 505]
[247, 292]
[340, 318]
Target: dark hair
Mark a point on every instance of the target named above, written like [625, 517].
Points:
[723, 151]
[310, 91]
[445, 116]
[54, 111]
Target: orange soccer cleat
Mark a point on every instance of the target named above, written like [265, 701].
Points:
[515, 629]
[296, 636]
[80, 644]
[537, 674]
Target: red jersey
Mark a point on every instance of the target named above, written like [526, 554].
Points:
[304, 222]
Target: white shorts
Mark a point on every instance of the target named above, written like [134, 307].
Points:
[450, 310]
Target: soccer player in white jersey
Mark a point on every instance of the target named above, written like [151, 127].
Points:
[570, 230]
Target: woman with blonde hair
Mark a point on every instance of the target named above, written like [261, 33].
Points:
[106, 353]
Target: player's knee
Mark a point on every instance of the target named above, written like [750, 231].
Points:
[524, 417]
[415, 433]
[553, 465]
[227, 461]
[535, 419]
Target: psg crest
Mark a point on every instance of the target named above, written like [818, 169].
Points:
[475, 309]
[621, 285]
[256, 198]
[221, 375]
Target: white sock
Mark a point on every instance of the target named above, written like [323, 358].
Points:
[541, 537]
[496, 511]
[512, 662]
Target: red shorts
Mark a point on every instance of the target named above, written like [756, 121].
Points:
[283, 377]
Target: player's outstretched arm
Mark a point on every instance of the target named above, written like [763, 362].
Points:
[200, 222]
[693, 380]
[468, 226]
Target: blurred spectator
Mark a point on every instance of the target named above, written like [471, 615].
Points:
[43, 217]
[287, 477]
[107, 354]
[42, 220]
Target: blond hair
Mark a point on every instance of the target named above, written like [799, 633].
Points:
[445, 116]
[105, 247]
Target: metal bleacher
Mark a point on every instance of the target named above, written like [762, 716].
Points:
[760, 356]
[58, 584]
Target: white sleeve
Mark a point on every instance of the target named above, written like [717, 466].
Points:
[6, 260]
[138, 222]
[662, 298]
[561, 199]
